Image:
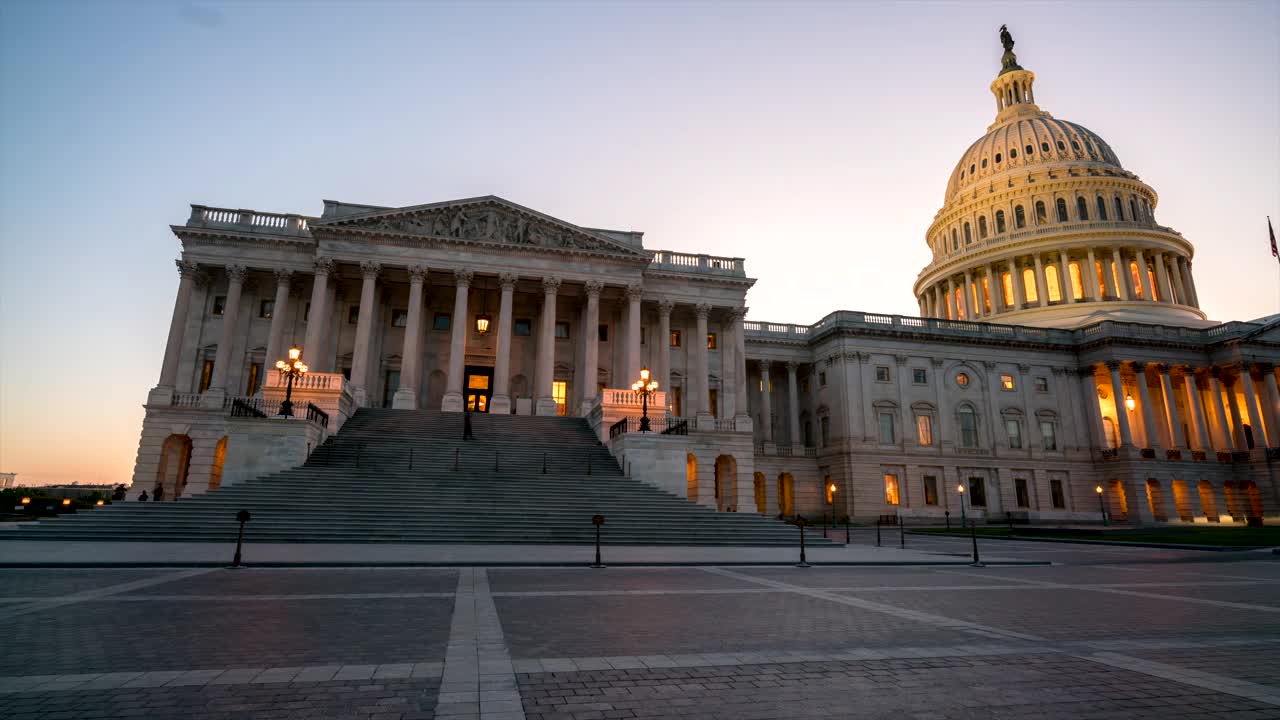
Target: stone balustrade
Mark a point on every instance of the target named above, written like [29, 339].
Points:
[698, 263]
[310, 381]
[253, 221]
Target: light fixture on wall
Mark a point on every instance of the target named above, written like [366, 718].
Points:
[482, 323]
[1129, 403]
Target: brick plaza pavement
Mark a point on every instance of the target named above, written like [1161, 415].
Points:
[1102, 633]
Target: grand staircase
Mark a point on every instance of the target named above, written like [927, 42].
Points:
[401, 476]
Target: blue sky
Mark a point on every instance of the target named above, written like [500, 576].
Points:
[814, 139]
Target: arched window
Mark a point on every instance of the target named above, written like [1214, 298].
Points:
[1062, 210]
[1019, 217]
[1119, 209]
[1137, 280]
[1013, 153]
[1077, 282]
[1042, 216]
[959, 301]
[1082, 209]
[982, 227]
[1044, 147]
[1052, 283]
[1029, 285]
[984, 163]
[1133, 208]
[1109, 426]
[998, 157]
[968, 427]
[955, 241]
[1061, 146]
[1031, 150]
[1102, 208]
[972, 168]
[1000, 227]
[968, 236]
[1006, 282]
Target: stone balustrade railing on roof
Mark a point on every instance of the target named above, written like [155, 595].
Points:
[203, 216]
[845, 319]
[698, 263]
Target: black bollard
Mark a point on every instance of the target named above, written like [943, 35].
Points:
[242, 517]
[846, 531]
[902, 533]
[824, 524]
[597, 520]
[947, 513]
[800, 523]
[455, 459]
[544, 463]
[973, 533]
[878, 531]
[1008, 516]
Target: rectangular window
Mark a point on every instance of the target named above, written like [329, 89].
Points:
[822, 379]
[886, 429]
[891, 488]
[919, 376]
[713, 397]
[219, 304]
[882, 373]
[675, 338]
[390, 384]
[930, 490]
[560, 391]
[1042, 384]
[603, 335]
[968, 429]
[676, 408]
[1047, 432]
[562, 330]
[711, 341]
[522, 327]
[399, 317]
[924, 429]
[825, 423]
[977, 492]
[266, 308]
[1055, 489]
[353, 315]
[1006, 382]
[206, 375]
[1021, 493]
[255, 379]
[1014, 429]
[477, 382]
[442, 321]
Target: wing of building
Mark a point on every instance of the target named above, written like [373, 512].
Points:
[1061, 363]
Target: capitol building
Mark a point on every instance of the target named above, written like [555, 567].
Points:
[1059, 364]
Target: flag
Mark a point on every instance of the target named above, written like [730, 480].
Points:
[1274, 252]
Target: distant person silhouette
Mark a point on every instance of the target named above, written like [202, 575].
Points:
[158, 493]
[143, 496]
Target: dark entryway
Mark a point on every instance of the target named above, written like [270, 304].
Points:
[479, 388]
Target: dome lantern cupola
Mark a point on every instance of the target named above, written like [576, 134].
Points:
[1012, 87]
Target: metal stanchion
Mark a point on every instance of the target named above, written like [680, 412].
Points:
[597, 520]
[242, 517]
[902, 533]
[878, 520]
[800, 523]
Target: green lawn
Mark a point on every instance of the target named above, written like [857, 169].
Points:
[1217, 536]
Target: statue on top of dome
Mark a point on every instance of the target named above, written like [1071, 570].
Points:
[1009, 61]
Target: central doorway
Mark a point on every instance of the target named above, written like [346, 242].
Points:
[479, 388]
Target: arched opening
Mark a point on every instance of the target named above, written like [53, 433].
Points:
[1182, 501]
[1208, 502]
[1253, 499]
[1029, 285]
[968, 234]
[219, 459]
[786, 494]
[1020, 217]
[1082, 209]
[1042, 215]
[1102, 208]
[1155, 500]
[1077, 282]
[691, 476]
[762, 504]
[726, 472]
[1053, 286]
[1000, 224]
[1113, 438]
[1119, 506]
[1235, 501]
[1119, 208]
[982, 227]
[175, 461]
[1061, 207]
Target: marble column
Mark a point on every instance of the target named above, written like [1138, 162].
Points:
[951, 299]
[1150, 432]
[1170, 408]
[1042, 291]
[662, 347]
[742, 413]
[1273, 404]
[1144, 276]
[793, 404]
[313, 350]
[1254, 408]
[187, 273]
[1064, 279]
[703, 401]
[406, 397]
[1189, 280]
[1200, 430]
[1237, 422]
[766, 403]
[1225, 441]
[995, 291]
[1089, 395]
[279, 316]
[1122, 413]
[634, 294]
[500, 403]
[591, 348]
[364, 332]
[1090, 277]
[453, 400]
[230, 318]
[1175, 275]
[967, 290]
[543, 390]
[1110, 286]
[1122, 275]
[1163, 289]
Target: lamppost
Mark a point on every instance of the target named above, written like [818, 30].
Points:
[290, 369]
[644, 387]
[1101, 504]
[832, 489]
[973, 529]
[963, 522]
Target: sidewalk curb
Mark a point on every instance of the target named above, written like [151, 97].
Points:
[407, 564]
[1118, 543]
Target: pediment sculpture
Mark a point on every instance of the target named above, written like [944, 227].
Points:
[488, 224]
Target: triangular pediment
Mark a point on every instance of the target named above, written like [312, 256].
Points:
[488, 220]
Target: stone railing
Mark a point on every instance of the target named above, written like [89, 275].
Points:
[625, 397]
[203, 216]
[185, 400]
[698, 263]
[309, 381]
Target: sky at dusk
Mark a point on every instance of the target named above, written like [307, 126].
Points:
[815, 140]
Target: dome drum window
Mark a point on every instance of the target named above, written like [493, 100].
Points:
[982, 227]
[1020, 217]
[1082, 209]
[984, 163]
[1061, 146]
[998, 157]
[1044, 147]
[1000, 227]
[1013, 153]
[1031, 150]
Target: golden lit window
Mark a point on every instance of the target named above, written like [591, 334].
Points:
[891, 488]
[1155, 289]
[675, 338]
[559, 391]
[1006, 281]
[711, 341]
[1006, 382]
[924, 429]
[1029, 285]
[986, 295]
[1137, 281]
[960, 314]
[1053, 288]
[478, 382]
[962, 379]
[1077, 283]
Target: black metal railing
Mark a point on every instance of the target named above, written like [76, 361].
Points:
[242, 408]
[663, 425]
[316, 415]
[677, 428]
[618, 428]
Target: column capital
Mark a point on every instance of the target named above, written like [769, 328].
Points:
[737, 313]
[792, 366]
[635, 291]
[463, 278]
[507, 280]
[284, 276]
[665, 307]
[370, 270]
[1087, 371]
[764, 365]
[702, 310]
[323, 265]
[1059, 370]
[593, 288]
[1162, 368]
[187, 269]
[237, 273]
[1114, 365]
[1217, 373]
[550, 285]
[937, 362]
[418, 274]
[901, 360]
